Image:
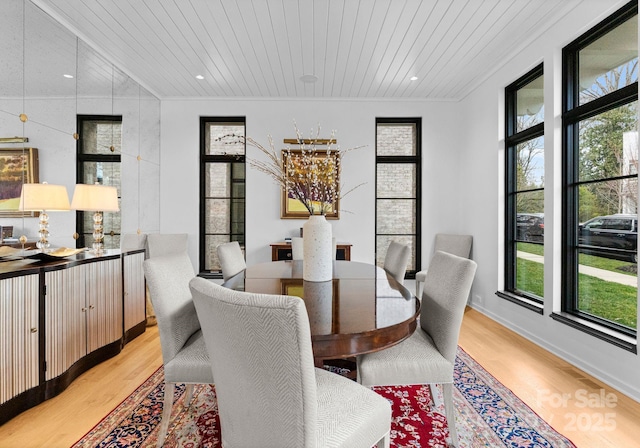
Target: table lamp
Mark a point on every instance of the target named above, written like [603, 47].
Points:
[42, 198]
[98, 199]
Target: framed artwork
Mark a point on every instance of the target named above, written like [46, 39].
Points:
[293, 208]
[17, 166]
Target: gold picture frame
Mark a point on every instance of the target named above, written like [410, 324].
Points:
[17, 166]
[293, 208]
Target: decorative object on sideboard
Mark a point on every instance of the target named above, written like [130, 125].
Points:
[98, 199]
[43, 198]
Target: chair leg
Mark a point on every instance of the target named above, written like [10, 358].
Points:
[167, 405]
[450, 412]
[188, 394]
[385, 442]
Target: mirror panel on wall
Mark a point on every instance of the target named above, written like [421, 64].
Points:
[52, 76]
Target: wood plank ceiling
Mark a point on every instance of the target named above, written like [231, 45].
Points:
[355, 48]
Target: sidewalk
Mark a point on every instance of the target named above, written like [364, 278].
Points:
[603, 274]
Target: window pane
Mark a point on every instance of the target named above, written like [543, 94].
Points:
[530, 164]
[609, 144]
[395, 216]
[396, 180]
[530, 104]
[609, 63]
[217, 215]
[607, 198]
[98, 137]
[530, 268]
[217, 180]
[396, 139]
[105, 173]
[211, 261]
[382, 244]
[224, 138]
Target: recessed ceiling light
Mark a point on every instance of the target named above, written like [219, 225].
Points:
[199, 77]
[308, 78]
[68, 76]
[413, 78]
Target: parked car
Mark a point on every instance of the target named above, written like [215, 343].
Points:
[530, 227]
[613, 236]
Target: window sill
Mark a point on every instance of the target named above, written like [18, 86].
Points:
[599, 331]
[522, 301]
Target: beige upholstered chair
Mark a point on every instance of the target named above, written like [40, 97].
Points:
[261, 357]
[396, 260]
[428, 355]
[459, 245]
[184, 354]
[166, 243]
[297, 248]
[231, 259]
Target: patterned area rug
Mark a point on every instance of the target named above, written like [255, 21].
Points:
[489, 415]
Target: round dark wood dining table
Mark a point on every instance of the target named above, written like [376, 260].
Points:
[361, 310]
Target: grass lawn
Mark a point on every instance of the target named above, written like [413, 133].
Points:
[608, 300]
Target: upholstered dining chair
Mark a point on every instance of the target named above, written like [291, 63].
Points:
[166, 243]
[428, 355]
[297, 248]
[261, 357]
[184, 355]
[396, 260]
[459, 245]
[231, 259]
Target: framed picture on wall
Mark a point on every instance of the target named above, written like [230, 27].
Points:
[292, 207]
[17, 166]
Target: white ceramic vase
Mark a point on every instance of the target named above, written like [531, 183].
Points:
[317, 261]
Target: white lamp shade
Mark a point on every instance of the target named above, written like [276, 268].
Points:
[95, 198]
[39, 197]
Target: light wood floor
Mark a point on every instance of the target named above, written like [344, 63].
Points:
[536, 376]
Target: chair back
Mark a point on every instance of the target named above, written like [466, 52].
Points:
[446, 289]
[168, 281]
[260, 350]
[297, 248]
[396, 260]
[231, 259]
[459, 245]
[159, 244]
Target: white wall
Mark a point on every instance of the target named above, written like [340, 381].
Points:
[354, 122]
[483, 205]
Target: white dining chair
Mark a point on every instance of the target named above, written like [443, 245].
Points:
[297, 248]
[396, 260]
[459, 245]
[428, 355]
[261, 356]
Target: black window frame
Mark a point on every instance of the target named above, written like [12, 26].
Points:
[81, 158]
[572, 114]
[512, 139]
[205, 159]
[417, 161]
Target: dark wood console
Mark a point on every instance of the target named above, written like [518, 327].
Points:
[282, 251]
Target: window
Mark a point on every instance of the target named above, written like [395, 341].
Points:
[222, 188]
[524, 208]
[600, 180]
[398, 144]
[99, 147]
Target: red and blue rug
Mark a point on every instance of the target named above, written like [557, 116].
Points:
[489, 415]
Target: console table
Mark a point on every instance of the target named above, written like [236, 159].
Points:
[60, 318]
[281, 251]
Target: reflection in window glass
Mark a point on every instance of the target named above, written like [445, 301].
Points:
[530, 104]
[609, 63]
